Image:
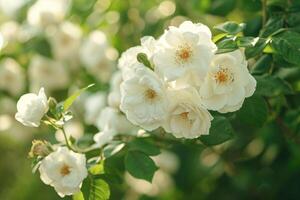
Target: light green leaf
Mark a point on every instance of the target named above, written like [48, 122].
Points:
[78, 196]
[220, 131]
[139, 165]
[70, 100]
[99, 190]
[227, 45]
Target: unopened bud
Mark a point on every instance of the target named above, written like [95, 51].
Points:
[40, 148]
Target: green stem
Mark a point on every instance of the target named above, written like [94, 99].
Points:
[264, 12]
[67, 141]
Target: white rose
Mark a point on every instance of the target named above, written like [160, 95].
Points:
[128, 61]
[114, 97]
[64, 170]
[143, 99]
[187, 117]
[31, 108]
[98, 57]
[65, 41]
[12, 77]
[112, 118]
[47, 73]
[227, 83]
[11, 7]
[93, 49]
[93, 106]
[47, 12]
[186, 48]
[104, 137]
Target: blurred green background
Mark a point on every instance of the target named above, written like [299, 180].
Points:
[259, 163]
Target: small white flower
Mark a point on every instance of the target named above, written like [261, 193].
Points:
[31, 108]
[12, 77]
[64, 170]
[112, 119]
[104, 137]
[143, 99]
[47, 12]
[93, 105]
[186, 48]
[47, 73]
[227, 83]
[187, 118]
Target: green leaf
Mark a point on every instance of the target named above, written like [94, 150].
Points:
[258, 47]
[143, 145]
[287, 45]
[40, 45]
[70, 100]
[142, 58]
[220, 131]
[112, 149]
[227, 45]
[99, 190]
[140, 166]
[254, 111]
[230, 27]
[273, 24]
[95, 188]
[272, 86]
[263, 64]
[222, 7]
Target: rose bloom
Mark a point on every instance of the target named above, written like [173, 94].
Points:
[112, 118]
[183, 49]
[64, 170]
[128, 61]
[31, 108]
[227, 83]
[47, 12]
[12, 77]
[187, 118]
[143, 99]
[48, 73]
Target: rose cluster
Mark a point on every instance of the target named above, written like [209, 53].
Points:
[174, 81]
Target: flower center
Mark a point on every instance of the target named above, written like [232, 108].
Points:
[150, 94]
[65, 170]
[183, 53]
[223, 76]
[184, 115]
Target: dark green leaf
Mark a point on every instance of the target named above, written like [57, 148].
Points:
[258, 47]
[272, 86]
[139, 165]
[288, 46]
[254, 111]
[262, 65]
[273, 24]
[222, 7]
[230, 27]
[112, 149]
[226, 45]
[220, 131]
[141, 144]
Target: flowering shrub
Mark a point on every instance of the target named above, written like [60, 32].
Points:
[186, 87]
